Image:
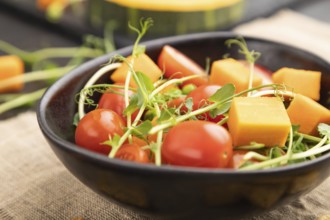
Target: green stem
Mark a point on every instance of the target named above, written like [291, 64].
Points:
[7, 97]
[317, 149]
[36, 76]
[313, 151]
[204, 109]
[171, 82]
[122, 140]
[251, 65]
[310, 137]
[32, 57]
[185, 117]
[126, 135]
[158, 157]
[10, 49]
[65, 53]
[21, 100]
[253, 155]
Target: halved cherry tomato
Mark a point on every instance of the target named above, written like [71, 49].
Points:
[115, 101]
[177, 65]
[96, 127]
[200, 97]
[197, 144]
[133, 152]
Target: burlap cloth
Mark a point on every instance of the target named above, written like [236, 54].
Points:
[35, 185]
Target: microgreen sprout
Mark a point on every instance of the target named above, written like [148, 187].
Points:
[322, 145]
[45, 69]
[250, 56]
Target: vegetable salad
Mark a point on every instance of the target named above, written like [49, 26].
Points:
[232, 114]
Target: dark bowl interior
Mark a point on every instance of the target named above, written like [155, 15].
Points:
[177, 191]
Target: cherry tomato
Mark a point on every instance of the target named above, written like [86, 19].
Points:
[175, 103]
[96, 127]
[115, 101]
[177, 65]
[133, 152]
[197, 144]
[200, 97]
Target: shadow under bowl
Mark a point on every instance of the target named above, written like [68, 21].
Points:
[180, 191]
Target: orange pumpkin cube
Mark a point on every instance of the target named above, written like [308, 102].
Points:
[143, 63]
[308, 114]
[305, 82]
[258, 119]
[232, 71]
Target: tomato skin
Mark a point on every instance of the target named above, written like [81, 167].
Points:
[177, 65]
[197, 144]
[115, 102]
[134, 153]
[175, 103]
[200, 98]
[96, 127]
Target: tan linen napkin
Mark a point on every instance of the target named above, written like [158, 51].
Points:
[35, 185]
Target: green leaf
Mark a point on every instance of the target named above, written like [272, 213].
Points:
[113, 141]
[189, 104]
[295, 128]
[133, 105]
[223, 93]
[142, 129]
[324, 130]
[145, 82]
[276, 152]
[166, 114]
[76, 119]
[220, 110]
[145, 24]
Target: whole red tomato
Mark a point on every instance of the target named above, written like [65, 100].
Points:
[134, 152]
[96, 127]
[200, 97]
[115, 101]
[177, 65]
[197, 144]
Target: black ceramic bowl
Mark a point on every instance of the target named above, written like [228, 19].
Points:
[178, 191]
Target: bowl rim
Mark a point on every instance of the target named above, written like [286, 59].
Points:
[138, 167]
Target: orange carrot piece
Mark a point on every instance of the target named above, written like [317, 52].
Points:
[44, 4]
[11, 66]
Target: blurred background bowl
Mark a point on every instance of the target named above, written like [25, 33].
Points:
[178, 192]
[171, 16]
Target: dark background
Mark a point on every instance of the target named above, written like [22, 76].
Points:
[26, 27]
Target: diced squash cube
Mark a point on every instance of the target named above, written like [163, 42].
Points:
[308, 114]
[143, 63]
[11, 66]
[258, 119]
[232, 71]
[305, 82]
